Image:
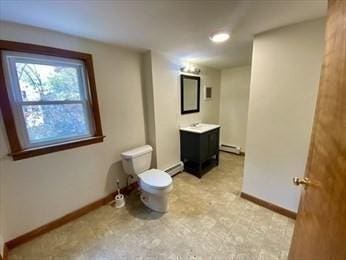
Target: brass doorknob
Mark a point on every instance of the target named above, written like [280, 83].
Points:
[301, 181]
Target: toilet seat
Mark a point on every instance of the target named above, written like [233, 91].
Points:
[155, 179]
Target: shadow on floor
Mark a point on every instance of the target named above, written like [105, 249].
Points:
[136, 208]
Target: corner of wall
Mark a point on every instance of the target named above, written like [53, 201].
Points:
[234, 103]
[148, 102]
[281, 110]
[165, 73]
[1, 245]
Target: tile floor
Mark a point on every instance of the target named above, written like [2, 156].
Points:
[207, 220]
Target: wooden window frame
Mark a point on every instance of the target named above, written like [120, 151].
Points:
[17, 151]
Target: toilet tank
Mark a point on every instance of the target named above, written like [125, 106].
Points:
[138, 160]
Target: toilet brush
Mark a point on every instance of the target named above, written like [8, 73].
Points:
[119, 198]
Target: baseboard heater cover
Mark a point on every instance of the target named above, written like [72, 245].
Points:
[230, 148]
[175, 169]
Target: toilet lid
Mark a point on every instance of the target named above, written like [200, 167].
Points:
[156, 179]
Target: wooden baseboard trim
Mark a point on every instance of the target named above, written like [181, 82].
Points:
[65, 219]
[269, 205]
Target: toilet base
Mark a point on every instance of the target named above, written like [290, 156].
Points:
[154, 202]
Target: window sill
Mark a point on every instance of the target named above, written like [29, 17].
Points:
[55, 148]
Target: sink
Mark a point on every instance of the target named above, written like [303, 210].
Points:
[199, 128]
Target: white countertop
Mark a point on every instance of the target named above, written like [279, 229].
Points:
[199, 128]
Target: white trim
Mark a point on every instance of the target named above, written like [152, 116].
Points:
[43, 59]
[55, 102]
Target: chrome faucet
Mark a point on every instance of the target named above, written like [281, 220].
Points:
[194, 124]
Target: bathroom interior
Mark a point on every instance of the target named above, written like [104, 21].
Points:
[203, 115]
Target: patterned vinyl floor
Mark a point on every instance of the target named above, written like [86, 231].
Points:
[207, 220]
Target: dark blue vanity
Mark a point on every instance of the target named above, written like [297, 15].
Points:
[199, 148]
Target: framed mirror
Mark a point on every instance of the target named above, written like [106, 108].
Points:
[190, 94]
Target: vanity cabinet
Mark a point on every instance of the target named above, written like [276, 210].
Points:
[199, 151]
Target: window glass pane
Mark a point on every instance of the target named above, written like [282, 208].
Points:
[46, 123]
[48, 82]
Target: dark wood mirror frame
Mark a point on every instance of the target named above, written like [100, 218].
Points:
[198, 79]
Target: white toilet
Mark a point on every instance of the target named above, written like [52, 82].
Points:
[155, 184]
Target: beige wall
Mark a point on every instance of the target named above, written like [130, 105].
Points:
[162, 94]
[162, 108]
[165, 82]
[41, 189]
[234, 103]
[209, 109]
[286, 66]
[58, 183]
[148, 100]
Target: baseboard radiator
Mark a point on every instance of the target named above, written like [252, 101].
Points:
[175, 169]
[230, 148]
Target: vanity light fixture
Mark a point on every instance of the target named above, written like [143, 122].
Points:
[219, 37]
[188, 68]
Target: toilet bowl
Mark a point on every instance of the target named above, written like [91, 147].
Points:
[155, 185]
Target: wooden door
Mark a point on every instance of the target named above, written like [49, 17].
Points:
[320, 231]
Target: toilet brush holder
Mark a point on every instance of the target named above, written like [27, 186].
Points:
[119, 201]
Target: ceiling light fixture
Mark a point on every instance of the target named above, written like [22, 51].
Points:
[219, 37]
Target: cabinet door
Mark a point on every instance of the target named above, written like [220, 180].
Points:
[189, 146]
[213, 142]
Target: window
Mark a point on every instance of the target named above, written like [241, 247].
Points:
[49, 98]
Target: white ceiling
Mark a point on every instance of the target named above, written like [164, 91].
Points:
[179, 29]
